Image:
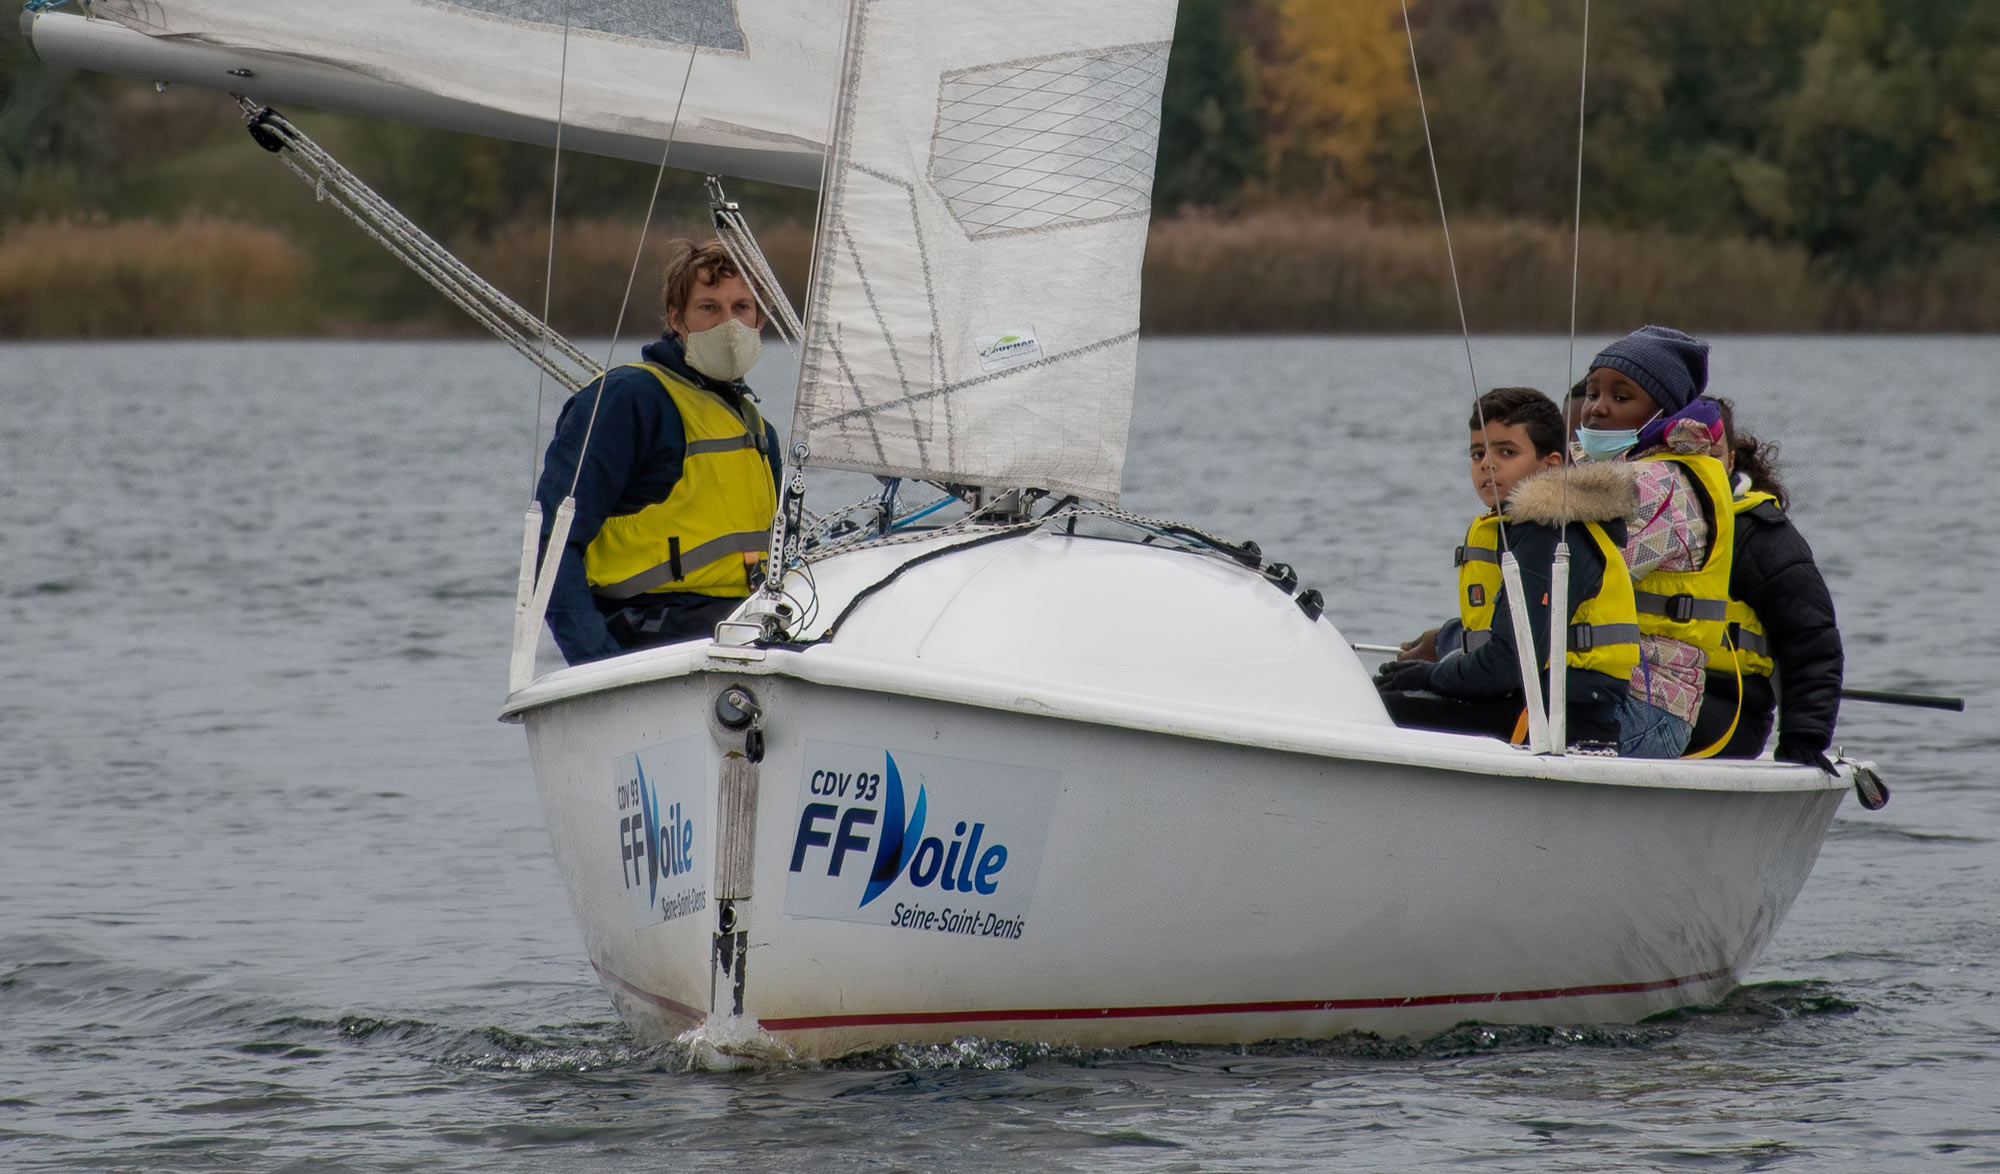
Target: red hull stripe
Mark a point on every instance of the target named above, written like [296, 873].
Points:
[890, 1019]
[692, 1014]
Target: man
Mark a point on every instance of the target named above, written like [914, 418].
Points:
[679, 475]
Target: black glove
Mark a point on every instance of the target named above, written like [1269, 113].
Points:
[1804, 749]
[1404, 676]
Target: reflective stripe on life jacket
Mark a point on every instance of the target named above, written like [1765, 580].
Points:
[1693, 606]
[1747, 645]
[714, 526]
[1603, 630]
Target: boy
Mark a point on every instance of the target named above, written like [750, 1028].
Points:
[1516, 453]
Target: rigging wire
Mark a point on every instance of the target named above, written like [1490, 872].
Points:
[1576, 231]
[334, 184]
[638, 254]
[1559, 583]
[1451, 258]
[549, 272]
[1539, 733]
[1575, 250]
[1437, 185]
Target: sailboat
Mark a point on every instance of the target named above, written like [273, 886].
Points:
[1051, 771]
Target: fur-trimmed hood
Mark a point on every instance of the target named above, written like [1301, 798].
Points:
[1597, 491]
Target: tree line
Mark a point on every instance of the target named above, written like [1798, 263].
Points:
[1834, 158]
[1860, 130]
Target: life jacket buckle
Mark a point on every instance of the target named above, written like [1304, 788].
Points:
[1458, 556]
[1582, 637]
[1680, 608]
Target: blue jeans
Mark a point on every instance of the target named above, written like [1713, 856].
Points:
[1647, 731]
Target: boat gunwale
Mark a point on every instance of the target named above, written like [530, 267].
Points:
[829, 666]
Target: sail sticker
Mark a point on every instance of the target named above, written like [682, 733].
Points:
[918, 842]
[710, 24]
[1008, 348]
[662, 824]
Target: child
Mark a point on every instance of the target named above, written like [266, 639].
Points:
[1517, 459]
[1782, 621]
[1643, 406]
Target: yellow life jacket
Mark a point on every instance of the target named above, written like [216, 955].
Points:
[1748, 647]
[1693, 606]
[1478, 563]
[714, 528]
[1603, 630]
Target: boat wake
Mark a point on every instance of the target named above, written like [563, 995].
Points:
[1757, 1007]
[64, 988]
[609, 1047]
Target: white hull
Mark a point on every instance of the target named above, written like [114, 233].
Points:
[1161, 876]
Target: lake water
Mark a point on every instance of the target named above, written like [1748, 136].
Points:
[275, 890]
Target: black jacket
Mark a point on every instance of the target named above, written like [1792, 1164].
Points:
[1775, 574]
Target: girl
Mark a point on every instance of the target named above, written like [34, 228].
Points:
[1642, 405]
[1781, 619]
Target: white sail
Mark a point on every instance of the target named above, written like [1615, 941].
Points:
[974, 309]
[757, 99]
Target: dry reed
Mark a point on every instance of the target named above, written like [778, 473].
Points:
[203, 277]
[1272, 271]
[1301, 272]
[594, 261]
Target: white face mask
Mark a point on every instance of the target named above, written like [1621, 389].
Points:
[725, 352]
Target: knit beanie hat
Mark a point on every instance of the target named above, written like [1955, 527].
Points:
[1671, 366]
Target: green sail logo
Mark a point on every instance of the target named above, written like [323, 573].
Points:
[1008, 348]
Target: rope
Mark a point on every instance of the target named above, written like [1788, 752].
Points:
[549, 272]
[1437, 185]
[1200, 540]
[1575, 251]
[1451, 258]
[741, 244]
[1576, 234]
[1206, 543]
[332, 183]
[632, 277]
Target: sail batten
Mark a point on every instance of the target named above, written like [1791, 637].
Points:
[759, 73]
[974, 310]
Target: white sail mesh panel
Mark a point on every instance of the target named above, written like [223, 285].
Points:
[757, 103]
[1048, 142]
[708, 23]
[975, 305]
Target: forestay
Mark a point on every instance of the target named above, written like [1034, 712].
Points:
[757, 102]
[974, 309]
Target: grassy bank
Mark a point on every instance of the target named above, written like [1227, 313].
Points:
[1266, 272]
[198, 277]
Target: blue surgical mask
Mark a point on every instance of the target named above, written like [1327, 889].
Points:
[1608, 444]
[1605, 444]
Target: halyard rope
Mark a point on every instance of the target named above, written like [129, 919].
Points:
[549, 272]
[652, 201]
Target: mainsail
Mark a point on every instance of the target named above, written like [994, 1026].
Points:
[974, 311]
[756, 101]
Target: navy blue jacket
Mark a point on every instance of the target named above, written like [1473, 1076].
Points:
[1494, 669]
[636, 447]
